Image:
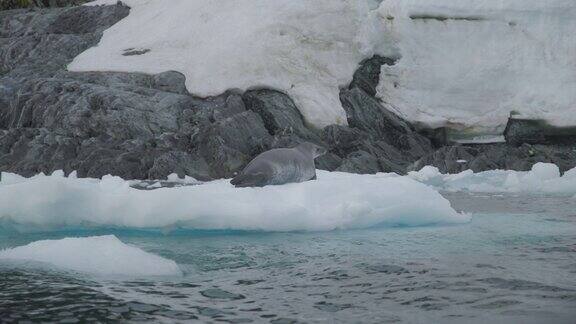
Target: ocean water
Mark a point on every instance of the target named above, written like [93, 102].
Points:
[515, 262]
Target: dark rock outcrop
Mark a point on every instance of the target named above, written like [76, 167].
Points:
[533, 131]
[17, 4]
[483, 157]
[376, 139]
[148, 126]
[140, 126]
[527, 143]
[360, 162]
[367, 114]
[127, 124]
[367, 76]
[279, 113]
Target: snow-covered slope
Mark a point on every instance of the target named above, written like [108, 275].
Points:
[464, 64]
[470, 63]
[305, 48]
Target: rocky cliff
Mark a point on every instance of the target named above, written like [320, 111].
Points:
[141, 126]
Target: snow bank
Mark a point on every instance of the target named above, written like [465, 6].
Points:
[334, 201]
[468, 64]
[304, 48]
[102, 255]
[464, 64]
[544, 178]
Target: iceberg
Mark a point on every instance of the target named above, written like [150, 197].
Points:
[100, 255]
[334, 201]
[544, 178]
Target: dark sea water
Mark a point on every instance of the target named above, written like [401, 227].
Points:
[514, 263]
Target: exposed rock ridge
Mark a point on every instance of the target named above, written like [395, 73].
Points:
[140, 126]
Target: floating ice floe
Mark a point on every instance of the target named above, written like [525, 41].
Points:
[544, 178]
[101, 255]
[334, 201]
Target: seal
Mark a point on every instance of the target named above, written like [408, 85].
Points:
[280, 166]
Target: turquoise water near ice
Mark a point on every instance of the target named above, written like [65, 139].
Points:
[515, 262]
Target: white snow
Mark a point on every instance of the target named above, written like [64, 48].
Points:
[482, 139]
[495, 57]
[334, 201]
[101, 255]
[468, 71]
[544, 178]
[304, 48]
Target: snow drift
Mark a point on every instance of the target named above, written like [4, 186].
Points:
[544, 178]
[469, 64]
[334, 201]
[102, 255]
[304, 48]
[464, 64]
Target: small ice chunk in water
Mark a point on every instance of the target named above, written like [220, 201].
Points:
[543, 178]
[544, 171]
[101, 255]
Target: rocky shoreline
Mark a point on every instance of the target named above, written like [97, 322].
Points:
[140, 126]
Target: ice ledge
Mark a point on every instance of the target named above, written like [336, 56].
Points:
[334, 201]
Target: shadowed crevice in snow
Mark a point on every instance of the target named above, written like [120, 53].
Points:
[443, 18]
[133, 52]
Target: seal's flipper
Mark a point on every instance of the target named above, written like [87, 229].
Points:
[249, 180]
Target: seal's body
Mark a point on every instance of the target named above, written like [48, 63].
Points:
[280, 166]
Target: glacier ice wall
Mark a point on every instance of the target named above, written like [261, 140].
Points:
[469, 64]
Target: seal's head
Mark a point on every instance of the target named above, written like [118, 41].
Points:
[312, 148]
